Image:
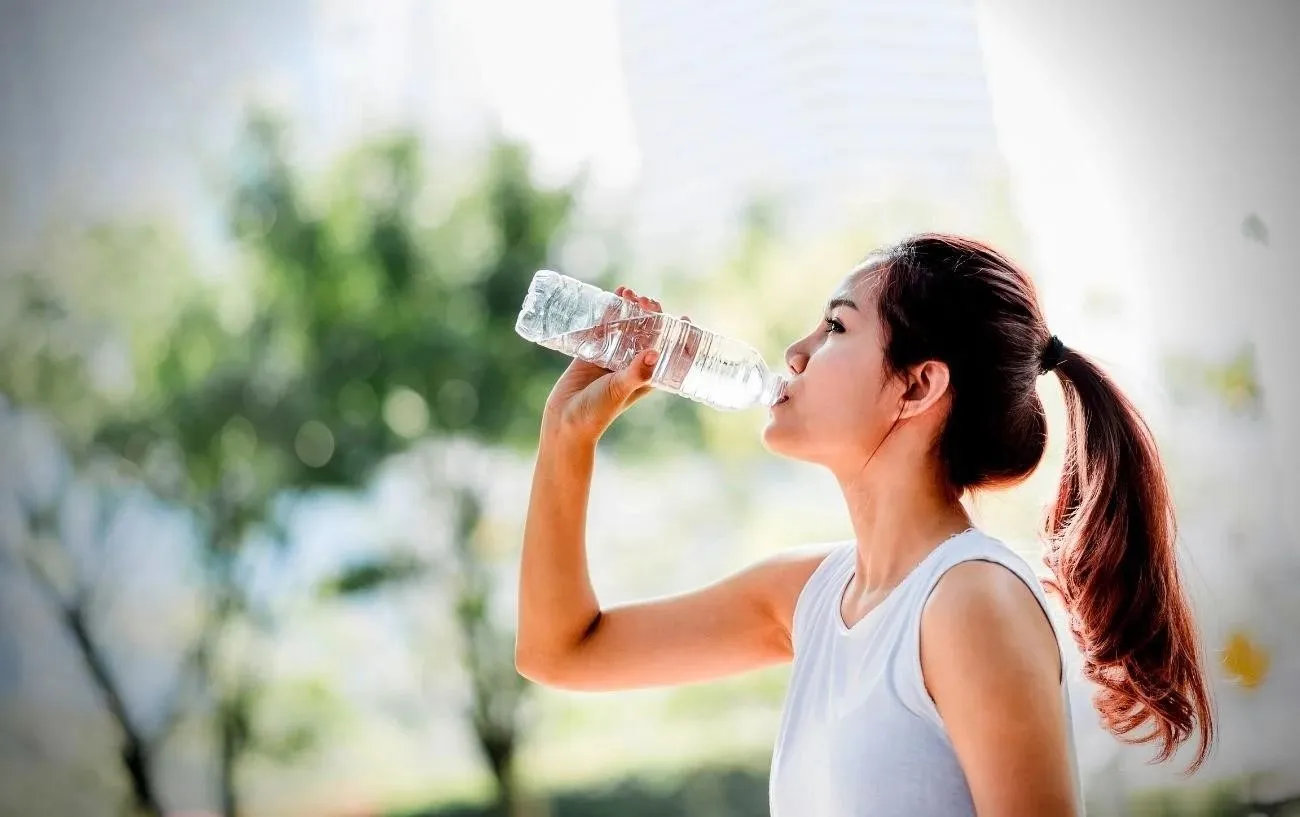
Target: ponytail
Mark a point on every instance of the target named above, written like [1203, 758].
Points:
[1111, 548]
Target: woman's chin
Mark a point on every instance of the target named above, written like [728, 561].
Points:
[776, 438]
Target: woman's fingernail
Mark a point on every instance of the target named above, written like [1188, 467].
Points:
[651, 358]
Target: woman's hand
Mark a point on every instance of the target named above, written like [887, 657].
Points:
[588, 398]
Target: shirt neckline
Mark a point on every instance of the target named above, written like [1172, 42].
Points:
[843, 585]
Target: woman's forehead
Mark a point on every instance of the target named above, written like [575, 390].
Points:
[859, 285]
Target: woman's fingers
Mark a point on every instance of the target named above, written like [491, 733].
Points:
[650, 305]
[626, 383]
[643, 301]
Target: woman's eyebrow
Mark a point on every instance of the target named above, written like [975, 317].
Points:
[834, 302]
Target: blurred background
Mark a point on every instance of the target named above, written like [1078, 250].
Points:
[266, 430]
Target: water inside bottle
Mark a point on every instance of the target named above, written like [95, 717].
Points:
[693, 362]
[614, 345]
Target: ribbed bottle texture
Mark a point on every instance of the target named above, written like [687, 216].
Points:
[586, 322]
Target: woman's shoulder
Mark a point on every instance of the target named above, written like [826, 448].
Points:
[986, 591]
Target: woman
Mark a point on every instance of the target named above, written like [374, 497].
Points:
[927, 678]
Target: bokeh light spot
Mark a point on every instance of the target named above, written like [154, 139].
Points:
[406, 413]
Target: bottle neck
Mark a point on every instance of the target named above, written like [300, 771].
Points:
[773, 387]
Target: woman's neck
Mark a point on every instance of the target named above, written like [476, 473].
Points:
[899, 515]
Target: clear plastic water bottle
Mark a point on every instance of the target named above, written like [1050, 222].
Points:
[582, 321]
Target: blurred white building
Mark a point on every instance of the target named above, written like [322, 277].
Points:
[1153, 150]
[820, 103]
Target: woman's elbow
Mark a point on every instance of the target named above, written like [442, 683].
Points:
[545, 669]
[553, 664]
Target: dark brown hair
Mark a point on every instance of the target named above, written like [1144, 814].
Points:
[1110, 533]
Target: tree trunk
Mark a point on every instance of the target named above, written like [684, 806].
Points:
[232, 726]
[135, 749]
[501, 755]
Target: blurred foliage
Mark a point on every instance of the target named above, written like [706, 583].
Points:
[80, 319]
[1225, 799]
[1246, 662]
[1230, 383]
[739, 791]
[293, 718]
[371, 574]
[361, 324]
[364, 332]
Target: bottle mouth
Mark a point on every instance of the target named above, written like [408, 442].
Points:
[773, 389]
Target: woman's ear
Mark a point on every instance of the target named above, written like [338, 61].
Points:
[927, 384]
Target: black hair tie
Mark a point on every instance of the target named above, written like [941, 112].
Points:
[1053, 354]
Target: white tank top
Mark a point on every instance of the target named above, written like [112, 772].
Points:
[860, 735]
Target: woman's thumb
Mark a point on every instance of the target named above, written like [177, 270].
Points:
[635, 375]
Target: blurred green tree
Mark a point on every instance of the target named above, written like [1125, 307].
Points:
[365, 332]
[362, 325]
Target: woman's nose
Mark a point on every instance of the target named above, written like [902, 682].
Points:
[795, 359]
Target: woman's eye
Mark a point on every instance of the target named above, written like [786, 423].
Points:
[833, 325]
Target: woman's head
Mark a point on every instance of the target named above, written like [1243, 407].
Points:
[934, 346]
[938, 333]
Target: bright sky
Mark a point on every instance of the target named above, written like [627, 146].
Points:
[90, 126]
[553, 72]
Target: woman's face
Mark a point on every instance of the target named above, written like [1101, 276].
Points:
[840, 404]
